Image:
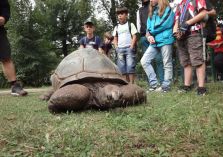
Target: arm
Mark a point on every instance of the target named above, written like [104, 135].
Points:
[166, 21]
[81, 42]
[138, 22]
[212, 13]
[115, 35]
[134, 37]
[4, 12]
[199, 17]
[133, 42]
[149, 36]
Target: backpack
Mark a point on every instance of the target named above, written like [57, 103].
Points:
[210, 27]
[209, 31]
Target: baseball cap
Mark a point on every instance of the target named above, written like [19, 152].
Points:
[88, 22]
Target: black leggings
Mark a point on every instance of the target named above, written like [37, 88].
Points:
[218, 62]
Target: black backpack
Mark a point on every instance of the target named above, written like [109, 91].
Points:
[210, 30]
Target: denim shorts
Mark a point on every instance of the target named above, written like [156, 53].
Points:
[126, 60]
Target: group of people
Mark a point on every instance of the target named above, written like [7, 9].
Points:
[160, 27]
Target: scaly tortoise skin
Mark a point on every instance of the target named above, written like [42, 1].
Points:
[87, 79]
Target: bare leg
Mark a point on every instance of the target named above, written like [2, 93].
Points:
[188, 75]
[200, 71]
[9, 70]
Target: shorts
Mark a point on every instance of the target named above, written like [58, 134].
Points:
[126, 60]
[5, 50]
[190, 50]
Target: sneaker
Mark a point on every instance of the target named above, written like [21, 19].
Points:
[201, 91]
[163, 89]
[184, 89]
[152, 88]
[17, 90]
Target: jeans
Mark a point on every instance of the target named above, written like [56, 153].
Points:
[157, 63]
[126, 60]
[147, 58]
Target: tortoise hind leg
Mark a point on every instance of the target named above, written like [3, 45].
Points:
[69, 98]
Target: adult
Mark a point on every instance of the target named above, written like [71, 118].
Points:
[5, 51]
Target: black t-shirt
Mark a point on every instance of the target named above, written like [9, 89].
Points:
[106, 47]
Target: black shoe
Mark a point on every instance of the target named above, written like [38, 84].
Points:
[201, 91]
[184, 89]
[17, 90]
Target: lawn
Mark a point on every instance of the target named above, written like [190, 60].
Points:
[170, 124]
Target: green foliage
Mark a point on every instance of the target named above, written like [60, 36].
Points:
[63, 20]
[32, 53]
[170, 124]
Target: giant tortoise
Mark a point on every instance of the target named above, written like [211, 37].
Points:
[86, 79]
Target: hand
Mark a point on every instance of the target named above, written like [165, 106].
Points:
[2, 20]
[178, 35]
[151, 39]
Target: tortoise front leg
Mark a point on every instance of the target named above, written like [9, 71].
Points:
[132, 94]
[69, 98]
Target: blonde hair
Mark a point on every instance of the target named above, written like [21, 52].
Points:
[108, 36]
[162, 4]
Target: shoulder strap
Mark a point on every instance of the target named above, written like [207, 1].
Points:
[116, 30]
[184, 10]
[85, 40]
[130, 28]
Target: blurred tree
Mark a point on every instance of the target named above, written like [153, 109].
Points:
[63, 21]
[31, 52]
[108, 7]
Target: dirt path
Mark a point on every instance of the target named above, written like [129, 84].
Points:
[29, 90]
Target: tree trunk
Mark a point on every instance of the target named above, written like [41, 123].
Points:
[64, 47]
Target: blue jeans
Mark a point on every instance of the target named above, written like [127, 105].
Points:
[126, 60]
[147, 58]
[158, 59]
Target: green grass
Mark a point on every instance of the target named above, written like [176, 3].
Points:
[170, 124]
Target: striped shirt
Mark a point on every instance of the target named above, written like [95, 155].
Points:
[193, 8]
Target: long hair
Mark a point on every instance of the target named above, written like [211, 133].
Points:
[162, 4]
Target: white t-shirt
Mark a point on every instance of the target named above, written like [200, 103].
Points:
[124, 36]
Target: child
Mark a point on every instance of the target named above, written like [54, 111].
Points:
[160, 36]
[107, 45]
[124, 42]
[187, 30]
[90, 40]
